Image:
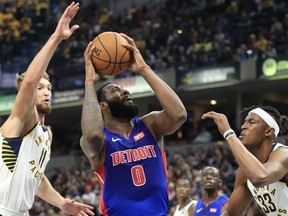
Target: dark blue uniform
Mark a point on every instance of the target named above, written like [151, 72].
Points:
[133, 176]
[213, 209]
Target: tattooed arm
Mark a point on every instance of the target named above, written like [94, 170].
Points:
[93, 139]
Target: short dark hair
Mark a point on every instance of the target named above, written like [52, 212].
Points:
[281, 120]
[215, 167]
[185, 178]
[20, 78]
[100, 92]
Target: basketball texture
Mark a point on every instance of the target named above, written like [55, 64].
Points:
[109, 57]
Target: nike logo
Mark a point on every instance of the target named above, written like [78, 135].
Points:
[115, 139]
[199, 210]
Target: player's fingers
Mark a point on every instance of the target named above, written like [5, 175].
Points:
[72, 4]
[89, 50]
[129, 39]
[207, 115]
[126, 36]
[82, 213]
[73, 28]
[87, 206]
[74, 10]
[68, 10]
[89, 47]
[89, 211]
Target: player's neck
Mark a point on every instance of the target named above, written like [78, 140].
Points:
[210, 197]
[120, 126]
[41, 118]
[185, 202]
[261, 152]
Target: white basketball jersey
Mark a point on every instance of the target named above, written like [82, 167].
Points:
[272, 198]
[184, 211]
[22, 164]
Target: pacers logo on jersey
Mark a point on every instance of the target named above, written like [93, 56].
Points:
[9, 154]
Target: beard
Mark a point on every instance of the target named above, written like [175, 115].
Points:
[43, 109]
[121, 110]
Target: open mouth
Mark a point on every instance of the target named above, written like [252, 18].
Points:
[128, 99]
[241, 135]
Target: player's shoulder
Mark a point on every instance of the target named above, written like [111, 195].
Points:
[149, 118]
[224, 197]
[194, 202]
[279, 152]
[50, 133]
[279, 146]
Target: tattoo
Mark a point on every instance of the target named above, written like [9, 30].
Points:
[90, 98]
[91, 113]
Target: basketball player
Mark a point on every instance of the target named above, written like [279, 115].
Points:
[25, 140]
[127, 153]
[263, 163]
[186, 204]
[212, 201]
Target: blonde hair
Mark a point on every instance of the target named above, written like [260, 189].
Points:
[20, 78]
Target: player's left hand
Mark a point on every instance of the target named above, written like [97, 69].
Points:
[72, 207]
[220, 120]
[138, 62]
[91, 75]
[63, 30]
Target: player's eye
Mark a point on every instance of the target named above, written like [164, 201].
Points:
[115, 89]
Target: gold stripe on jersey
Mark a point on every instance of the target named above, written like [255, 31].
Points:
[8, 156]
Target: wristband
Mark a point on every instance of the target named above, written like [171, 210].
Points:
[231, 135]
[228, 133]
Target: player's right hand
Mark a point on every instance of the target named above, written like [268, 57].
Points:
[91, 75]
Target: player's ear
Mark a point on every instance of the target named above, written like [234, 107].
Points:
[103, 105]
[269, 132]
[220, 183]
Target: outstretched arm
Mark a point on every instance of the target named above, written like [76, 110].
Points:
[71, 207]
[174, 113]
[272, 170]
[24, 109]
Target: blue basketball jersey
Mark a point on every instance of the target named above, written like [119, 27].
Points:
[133, 177]
[213, 209]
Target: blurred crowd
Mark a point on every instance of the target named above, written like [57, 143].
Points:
[18, 20]
[172, 35]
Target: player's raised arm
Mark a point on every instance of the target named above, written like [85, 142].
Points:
[24, 107]
[92, 125]
[174, 113]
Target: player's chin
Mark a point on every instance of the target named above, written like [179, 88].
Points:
[129, 102]
[245, 142]
[44, 109]
[242, 139]
[181, 194]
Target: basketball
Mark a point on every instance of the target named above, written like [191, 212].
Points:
[109, 57]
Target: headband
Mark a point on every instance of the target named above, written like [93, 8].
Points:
[267, 118]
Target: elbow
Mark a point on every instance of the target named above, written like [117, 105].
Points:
[94, 138]
[91, 146]
[178, 118]
[92, 135]
[181, 116]
[259, 180]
